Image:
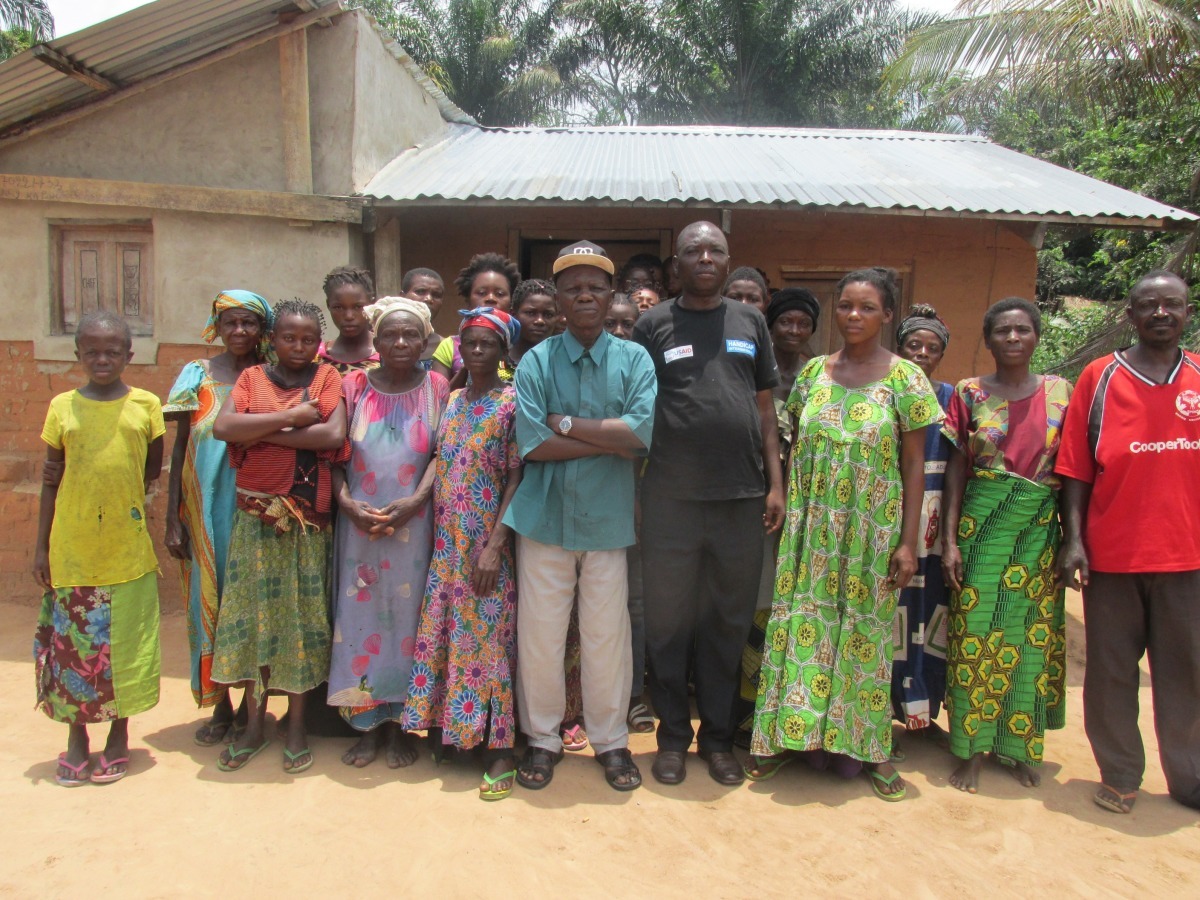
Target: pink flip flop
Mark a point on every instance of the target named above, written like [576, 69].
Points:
[77, 778]
[98, 776]
[574, 738]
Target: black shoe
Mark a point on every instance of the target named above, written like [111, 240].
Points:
[723, 767]
[670, 766]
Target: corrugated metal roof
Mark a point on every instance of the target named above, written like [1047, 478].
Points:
[829, 169]
[132, 47]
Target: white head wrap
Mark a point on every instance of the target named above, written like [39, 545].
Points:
[385, 306]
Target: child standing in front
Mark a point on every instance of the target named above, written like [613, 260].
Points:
[96, 648]
[285, 424]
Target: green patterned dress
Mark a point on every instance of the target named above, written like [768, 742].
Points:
[827, 657]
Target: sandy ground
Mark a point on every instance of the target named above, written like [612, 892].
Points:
[179, 827]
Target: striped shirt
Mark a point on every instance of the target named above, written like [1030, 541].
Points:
[268, 468]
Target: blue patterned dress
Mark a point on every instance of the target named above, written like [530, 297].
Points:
[919, 649]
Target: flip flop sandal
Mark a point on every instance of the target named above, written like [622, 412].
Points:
[537, 761]
[898, 754]
[291, 757]
[574, 738]
[77, 778]
[617, 764]
[98, 776]
[878, 780]
[640, 719]
[768, 766]
[1114, 801]
[490, 793]
[248, 752]
[212, 733]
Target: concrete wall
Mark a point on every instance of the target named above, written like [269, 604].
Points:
[218, 127]
[961, 266]
[221, 126]
[392, 112]
[195, 256]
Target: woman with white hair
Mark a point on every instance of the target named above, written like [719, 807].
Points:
[384, 536]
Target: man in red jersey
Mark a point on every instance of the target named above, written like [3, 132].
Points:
[1130, 461]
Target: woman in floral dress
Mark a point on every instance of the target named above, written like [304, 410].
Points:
[461, 687]
[384, 534]
[849, 544]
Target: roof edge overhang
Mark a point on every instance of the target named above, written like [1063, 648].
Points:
[1150, 224]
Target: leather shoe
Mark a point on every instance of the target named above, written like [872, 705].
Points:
[723, 767]
[670, 766]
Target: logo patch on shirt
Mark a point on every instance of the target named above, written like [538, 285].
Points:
[746, 348]
[1187, 406]
[675, 353]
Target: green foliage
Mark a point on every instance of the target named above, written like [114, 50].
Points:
[1065, 334]
[32, 17]
[14, 41]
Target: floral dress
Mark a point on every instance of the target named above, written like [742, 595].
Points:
[464, 657]
[827, 655]
[378, 584]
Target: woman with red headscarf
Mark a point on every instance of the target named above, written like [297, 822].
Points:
[464, 657]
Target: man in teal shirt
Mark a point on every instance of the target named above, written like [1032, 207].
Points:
[585, 410]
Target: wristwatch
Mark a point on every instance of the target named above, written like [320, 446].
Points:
[564, 425]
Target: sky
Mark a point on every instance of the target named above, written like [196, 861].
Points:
[72, 15]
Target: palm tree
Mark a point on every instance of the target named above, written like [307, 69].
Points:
[28, 15]
[24, 23]
[501, 61]
[779, 62]
[1090, 51]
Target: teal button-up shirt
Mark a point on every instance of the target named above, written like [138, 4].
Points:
[580, 504]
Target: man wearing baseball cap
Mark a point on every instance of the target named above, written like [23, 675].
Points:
[585, 410]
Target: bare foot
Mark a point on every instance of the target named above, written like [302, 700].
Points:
[966, 776]
[400, 750]
[116, 747]
[1025, 774]
[363, 753]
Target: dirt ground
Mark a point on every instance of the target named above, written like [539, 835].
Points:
[179, 827]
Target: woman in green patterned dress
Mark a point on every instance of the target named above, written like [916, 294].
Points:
[1006, 644]
[849, 545]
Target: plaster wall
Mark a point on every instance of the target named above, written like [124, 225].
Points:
[217, 127]
[392, 112]
[195, 256]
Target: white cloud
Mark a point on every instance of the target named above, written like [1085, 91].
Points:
[74, 15]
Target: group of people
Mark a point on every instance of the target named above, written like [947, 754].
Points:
[585, 492]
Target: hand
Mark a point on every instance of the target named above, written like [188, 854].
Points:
[487, 570]
[177, 540]
[41, 569]
[773, 516]
[1072, 570]
[902, 567]
[952, 567]
[364, 516]
[52, 471]
[397, 513]
[305, 413]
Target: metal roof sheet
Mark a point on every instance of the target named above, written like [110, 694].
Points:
[830, 169]
[134, 46]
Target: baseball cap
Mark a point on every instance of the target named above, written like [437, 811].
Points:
[583, 253]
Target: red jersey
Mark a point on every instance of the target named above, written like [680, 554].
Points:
[1138, 444]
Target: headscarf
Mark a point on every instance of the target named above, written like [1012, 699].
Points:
[247, 300]
[793, 298]
[385, 306]
[923, 317]
[498, 320]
